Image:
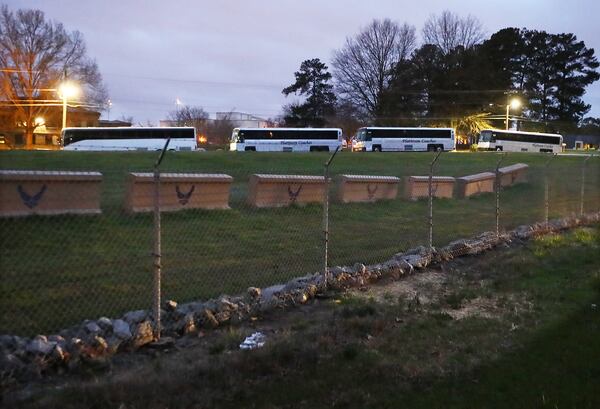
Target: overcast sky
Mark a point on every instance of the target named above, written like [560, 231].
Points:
[238, 55]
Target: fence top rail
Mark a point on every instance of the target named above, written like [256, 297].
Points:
[180, 177]
[434, 178]
[369, 178]
[48, 175]
[477, 177]
[261, 177]
[512, 168]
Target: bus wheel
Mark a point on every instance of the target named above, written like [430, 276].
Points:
[377, 148]
[498, 148]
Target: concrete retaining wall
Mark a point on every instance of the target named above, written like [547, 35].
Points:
[178, 191]
[27, 193]
[285, 190]
[363, 188]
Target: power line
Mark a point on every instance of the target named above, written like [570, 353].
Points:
[196, 81]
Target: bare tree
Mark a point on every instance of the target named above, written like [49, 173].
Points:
[35, 55]
[364, 67]
[449, 30]
[189, 116]
[347, 118]
[219, 130]
[126, 118]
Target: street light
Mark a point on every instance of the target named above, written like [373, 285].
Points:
[514, 104]
[108, 107]
[67, 90]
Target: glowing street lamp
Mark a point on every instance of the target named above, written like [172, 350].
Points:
[39, 121]
[67, 90]
[108, 107]
[514, 104]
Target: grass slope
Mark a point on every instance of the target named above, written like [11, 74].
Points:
[538, 349]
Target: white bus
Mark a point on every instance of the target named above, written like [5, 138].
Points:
[378, 139]
[515, 141]
[128, 138]
[285, 139]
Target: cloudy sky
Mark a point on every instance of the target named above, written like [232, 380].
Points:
[238, 55]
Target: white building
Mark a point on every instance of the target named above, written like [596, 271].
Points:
[238, 119]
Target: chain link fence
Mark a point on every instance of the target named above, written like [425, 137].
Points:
[58, 270]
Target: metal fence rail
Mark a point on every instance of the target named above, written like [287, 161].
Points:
[59, 270]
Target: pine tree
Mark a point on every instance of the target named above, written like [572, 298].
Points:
[312, 82]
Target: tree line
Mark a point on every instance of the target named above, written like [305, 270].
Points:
[457, 77]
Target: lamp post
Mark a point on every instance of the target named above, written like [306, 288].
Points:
[66, 90]
[514, 104]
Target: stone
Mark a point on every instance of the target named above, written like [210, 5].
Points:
[415, 260]
[59, 353]
[253, 292]
[294, 284]
[189, 324]
[143, 334]
[185, 325]
[268, 292]
[170, 305]
[113, 343]
[208, 318]
[6, 342]
[10, 363]
[74, 343]
[135, 317]
[222, 316]
[121, 330]
[105, 323]
[311, 290]
[360, 268]
[335, 271]
[99, 343]
[225, 305]
[301, 297]
[92, 328]
[40, 345]
[56, 338]
[183, 309]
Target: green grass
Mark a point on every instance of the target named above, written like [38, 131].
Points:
[539, 350]
[59, 270]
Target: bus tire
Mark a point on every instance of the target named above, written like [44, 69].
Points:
[250, 149]
[498, 148]
[376, 148]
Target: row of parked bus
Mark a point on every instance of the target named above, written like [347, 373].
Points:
[369, 139]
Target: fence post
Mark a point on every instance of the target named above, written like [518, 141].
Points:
[326, 220]
[157, 254]
[546, 190]
[437, 155]
[581, 207]
[497, 187]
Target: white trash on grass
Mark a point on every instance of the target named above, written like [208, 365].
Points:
[256, 340]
